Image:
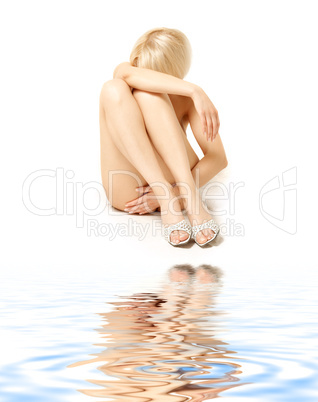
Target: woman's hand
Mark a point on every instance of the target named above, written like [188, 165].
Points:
[145, 203]
[207, 112]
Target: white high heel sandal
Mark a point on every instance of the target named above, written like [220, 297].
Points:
[207, 225]
[183, 225]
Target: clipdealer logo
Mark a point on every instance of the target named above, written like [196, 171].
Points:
[278, 201]
[48, 192]
[70, 197]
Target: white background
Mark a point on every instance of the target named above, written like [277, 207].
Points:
[257, 60]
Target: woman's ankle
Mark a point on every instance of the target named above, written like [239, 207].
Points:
[170, 206]
[191, 200]
[187, 194]
[176, 192]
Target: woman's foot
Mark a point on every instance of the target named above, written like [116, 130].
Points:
[198, 215]
[171, 214]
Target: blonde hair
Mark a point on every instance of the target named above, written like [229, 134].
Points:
[163, 49]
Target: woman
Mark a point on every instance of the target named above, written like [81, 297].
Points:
[144, 113]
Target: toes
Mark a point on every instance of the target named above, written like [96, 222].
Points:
[201, 238]
[208, 233]
[205, 235]
[183, 235]
[177, 236]
[174, 237]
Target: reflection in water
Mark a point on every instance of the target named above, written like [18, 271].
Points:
[162, 346]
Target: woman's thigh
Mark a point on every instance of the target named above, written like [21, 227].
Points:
[119, 177]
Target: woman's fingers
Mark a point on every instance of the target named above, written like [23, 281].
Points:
[144, 208]
[135, 209]
[204, 126]
[143, 189]
[217, 123]
[135, 204]
[210, 128]
[215, 127]
[208, 114]
[141, 205]
[211, 124]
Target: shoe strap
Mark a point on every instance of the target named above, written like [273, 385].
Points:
[183, 225]
[206, 225]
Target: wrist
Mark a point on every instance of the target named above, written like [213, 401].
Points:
[195, 91]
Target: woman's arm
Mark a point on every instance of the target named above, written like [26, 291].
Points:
[153, 81]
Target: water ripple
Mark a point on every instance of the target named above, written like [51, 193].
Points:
[191, 337]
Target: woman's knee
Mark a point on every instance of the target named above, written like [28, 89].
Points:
[217, 157]
[216, 152]
[114, 90]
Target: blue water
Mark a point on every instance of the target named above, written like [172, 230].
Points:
[192, 335]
